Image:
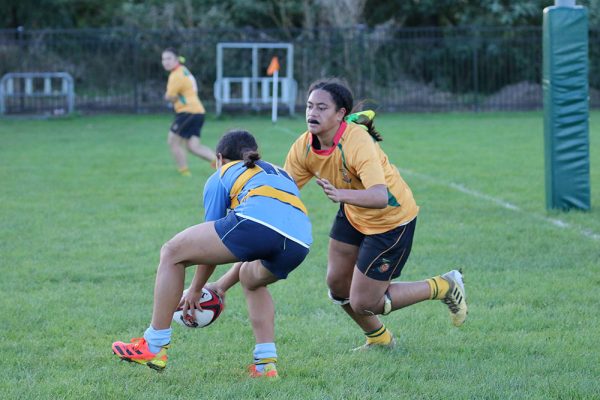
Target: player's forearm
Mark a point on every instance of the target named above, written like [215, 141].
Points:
[230, 277]
[203, 272]
[373, 197]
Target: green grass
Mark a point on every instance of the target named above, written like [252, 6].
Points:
[86, 203]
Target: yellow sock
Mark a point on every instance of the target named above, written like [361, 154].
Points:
[185, 171]
[379, 336]
[438, 287]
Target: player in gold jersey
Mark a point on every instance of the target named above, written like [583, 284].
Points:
[182, 91]
[371, 236]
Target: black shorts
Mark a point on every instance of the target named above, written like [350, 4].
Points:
[381, 256]
[249, 241]
[187, 125]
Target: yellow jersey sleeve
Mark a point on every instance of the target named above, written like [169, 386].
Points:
[295, 162]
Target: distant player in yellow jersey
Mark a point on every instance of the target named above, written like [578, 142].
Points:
[182, 91]
[372, 234]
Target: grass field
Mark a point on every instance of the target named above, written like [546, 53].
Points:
[86, 203]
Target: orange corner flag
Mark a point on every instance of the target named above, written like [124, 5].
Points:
[274, 66]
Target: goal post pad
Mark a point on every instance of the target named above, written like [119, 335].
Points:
[566, 107]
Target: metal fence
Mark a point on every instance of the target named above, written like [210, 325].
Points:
[431, 69]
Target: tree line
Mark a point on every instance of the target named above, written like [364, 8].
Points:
[287, 15]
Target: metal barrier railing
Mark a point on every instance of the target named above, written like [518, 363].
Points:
[37, 93]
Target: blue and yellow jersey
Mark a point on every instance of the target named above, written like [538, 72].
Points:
[182, 85]
[264, 194]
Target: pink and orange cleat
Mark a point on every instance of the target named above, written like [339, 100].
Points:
[270, 371]
[137, 351]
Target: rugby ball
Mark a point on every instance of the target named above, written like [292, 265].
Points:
[209, 308]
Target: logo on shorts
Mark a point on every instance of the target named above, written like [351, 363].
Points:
[384, 266]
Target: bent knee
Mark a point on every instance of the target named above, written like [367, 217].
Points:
[247, 278]
[364, 307]
[338, 284]
[168, 251]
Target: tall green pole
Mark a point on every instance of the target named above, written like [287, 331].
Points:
[566, 106]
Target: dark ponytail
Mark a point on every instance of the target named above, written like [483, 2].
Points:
[250, 158]
[372, 131]
[239, 144]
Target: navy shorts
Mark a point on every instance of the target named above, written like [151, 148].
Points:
[249, 241]
[381, 256]
[187, 125]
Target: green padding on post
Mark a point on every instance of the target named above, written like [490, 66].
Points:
[566, 108]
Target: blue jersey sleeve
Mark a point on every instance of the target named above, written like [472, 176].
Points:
[216, 198]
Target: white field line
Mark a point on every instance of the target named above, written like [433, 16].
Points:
[287, 131]
[504, 204]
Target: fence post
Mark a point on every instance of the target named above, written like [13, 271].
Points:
[476, 72]
[136, 76]
[21, 40]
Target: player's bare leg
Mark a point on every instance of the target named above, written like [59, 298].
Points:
[254, 278]
[176, 145]
[340, 269]
[199, 244]
[202, 151]
[367, 294]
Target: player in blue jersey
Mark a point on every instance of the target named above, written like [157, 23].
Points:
[254, 218]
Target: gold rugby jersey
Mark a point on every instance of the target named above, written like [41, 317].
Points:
[355, 161]
[182, 85]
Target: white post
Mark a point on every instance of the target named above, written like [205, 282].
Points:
[28, 86]
[275, 96]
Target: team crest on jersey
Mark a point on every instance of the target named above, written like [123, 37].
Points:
[345, 177]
